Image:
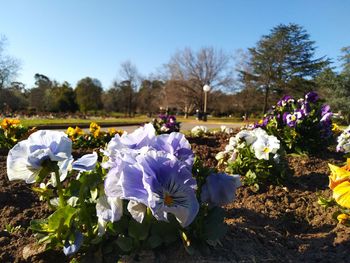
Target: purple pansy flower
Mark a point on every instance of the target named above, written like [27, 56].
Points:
[170, 187]
[220, 189]
[292, 118]
[326, 118]
[176, 143]
[311, 96]
[172, 119]
[163, 117]
[283, 102]
[325, 109]
[305, 108]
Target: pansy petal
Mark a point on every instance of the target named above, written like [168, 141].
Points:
[58, 142]
[109, 209]
[70, 249]
[220, 189]
[184, 215]
[341, 194]
[86, 163]
[17, 165]
[137, 210]
[132, 185]
[112, 186]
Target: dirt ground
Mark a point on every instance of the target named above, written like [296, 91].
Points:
[277, 224]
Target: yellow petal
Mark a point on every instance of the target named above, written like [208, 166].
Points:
[338, 173]
[341, 194]
[342, 218]
[70, 131]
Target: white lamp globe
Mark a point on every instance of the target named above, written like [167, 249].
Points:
[206, 88]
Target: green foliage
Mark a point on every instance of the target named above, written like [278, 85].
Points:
[11, 131]
[61, 98]
[302, 126]
[208, 227]
[256, 171]
[94, 139]
[336, 89]
[74, 211]
[283, 62]
[12, 229]
[88, 94]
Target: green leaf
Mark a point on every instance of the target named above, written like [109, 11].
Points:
[120, 227]
[168, 232]
[154, 241]
[39, 225]
[214, 223]
[47, 167]
[73, 188]
[94, 194]
[125, 243]
[138, 231]
[64, 214]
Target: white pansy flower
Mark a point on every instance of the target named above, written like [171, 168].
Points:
[245, 136]
[26, 159]
[344, 141]
[199, 130]
[264, 145]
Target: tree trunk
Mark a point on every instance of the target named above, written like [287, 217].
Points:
[267, 89]
[186, 112]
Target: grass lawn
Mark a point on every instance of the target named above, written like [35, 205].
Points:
[77, 122]
[35, 122]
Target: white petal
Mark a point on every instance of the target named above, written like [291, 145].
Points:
[17, 164]
[137, 210]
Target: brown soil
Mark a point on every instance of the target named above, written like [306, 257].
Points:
[278, 224]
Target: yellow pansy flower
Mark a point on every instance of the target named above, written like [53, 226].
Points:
[336, 129]
[95, 129]
[339, 182]
[342, 218]
[94, 126]
[73, 133]
[70, 131]
[78, 131]
[112, 131]
[9, 123]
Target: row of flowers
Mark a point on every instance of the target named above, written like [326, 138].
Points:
[11, 131]
[255, 155]
[147, 191]
[302, 125]
[96, 138]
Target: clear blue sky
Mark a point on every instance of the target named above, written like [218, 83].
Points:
[72, 39]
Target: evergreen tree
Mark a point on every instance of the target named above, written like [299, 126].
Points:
[88, 94]
[283, 62]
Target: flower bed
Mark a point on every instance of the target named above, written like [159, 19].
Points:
[281, 223]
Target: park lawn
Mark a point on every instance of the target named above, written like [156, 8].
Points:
[77, 122]
[120, 121]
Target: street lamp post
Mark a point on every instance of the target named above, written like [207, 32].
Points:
[206, 89]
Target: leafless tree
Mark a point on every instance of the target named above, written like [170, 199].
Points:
[189, 71]
[130, 80]
[9, 66]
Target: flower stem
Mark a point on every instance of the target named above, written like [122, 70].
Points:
[84, 209]
[61, 200]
